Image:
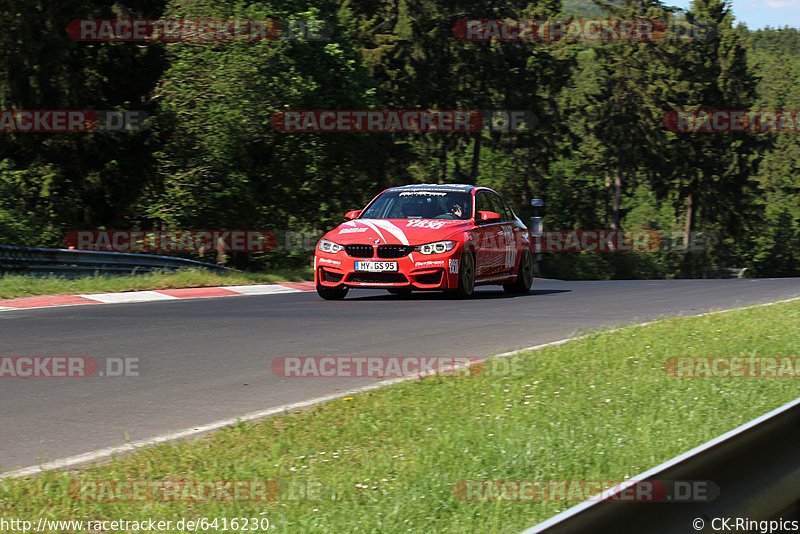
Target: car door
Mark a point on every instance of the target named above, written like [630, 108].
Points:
[489, 253]
[506, 238]
[521, 235]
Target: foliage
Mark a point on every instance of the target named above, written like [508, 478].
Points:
[598, 153]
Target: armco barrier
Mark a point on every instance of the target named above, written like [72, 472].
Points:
[755, 466]
[43, 262]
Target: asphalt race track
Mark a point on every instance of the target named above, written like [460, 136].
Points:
[202, 360]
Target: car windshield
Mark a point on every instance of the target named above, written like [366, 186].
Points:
[420, 204]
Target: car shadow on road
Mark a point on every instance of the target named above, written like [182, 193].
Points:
[439, 295]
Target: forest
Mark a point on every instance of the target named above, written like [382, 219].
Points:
[597, 147]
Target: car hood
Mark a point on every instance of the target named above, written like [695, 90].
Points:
[396, 231]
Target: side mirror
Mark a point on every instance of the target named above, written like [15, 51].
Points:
[488, 216]
[352, 214]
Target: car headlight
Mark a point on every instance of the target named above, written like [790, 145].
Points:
[438, 247]
[329, 246]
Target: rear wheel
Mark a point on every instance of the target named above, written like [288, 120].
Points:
[332, 293]
[466, 277]
[524, 276]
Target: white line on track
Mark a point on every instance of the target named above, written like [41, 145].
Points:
[265, 289]
[151, 296]
[128, 296]
[109, 452]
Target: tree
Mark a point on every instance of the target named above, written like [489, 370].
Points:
[61, 181]
[710, 171]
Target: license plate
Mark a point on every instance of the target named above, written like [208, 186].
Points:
[376, 266]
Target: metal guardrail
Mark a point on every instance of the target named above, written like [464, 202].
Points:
[755, 466]
[727, 272]
[43, 262]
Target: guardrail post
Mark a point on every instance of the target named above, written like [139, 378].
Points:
[536, 230]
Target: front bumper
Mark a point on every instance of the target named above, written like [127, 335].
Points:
[418, 271]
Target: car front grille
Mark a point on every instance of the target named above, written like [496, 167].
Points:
[377, 278]
[393, 251]
[359, 251]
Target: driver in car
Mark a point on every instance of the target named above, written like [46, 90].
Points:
[457, 210]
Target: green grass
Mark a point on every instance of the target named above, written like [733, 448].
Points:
[13, 286]
[599, 408]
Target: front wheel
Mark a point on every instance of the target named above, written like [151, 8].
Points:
[332, 293]
[466, 277]
[524, 276]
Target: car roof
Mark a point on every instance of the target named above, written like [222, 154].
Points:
[466, 188]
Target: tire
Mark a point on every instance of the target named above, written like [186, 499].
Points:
[401, 291]
[524, 281]
[332, 293]
[466, 277]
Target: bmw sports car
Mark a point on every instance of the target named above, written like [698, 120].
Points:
[423, 237]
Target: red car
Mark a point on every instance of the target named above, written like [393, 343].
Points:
[440, 237]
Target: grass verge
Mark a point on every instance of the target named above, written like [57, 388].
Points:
[600, 408]
[13, 286]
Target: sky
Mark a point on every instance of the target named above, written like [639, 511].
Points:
[759, 13]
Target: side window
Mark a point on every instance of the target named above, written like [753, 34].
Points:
[499, 207]
[509, 212]
[482, 204]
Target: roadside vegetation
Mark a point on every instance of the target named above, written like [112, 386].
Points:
[598, 151]
[598, 408]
